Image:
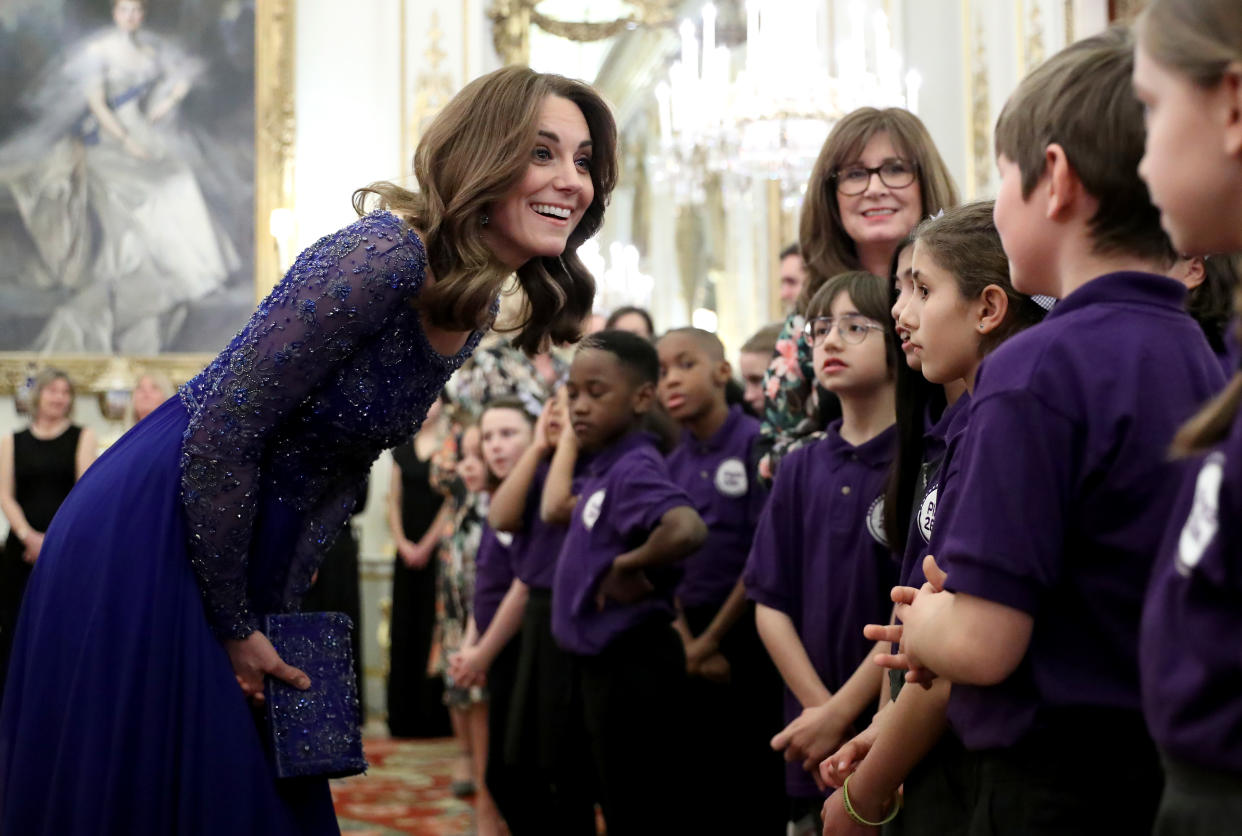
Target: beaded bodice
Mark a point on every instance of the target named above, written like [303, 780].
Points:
[331, 369]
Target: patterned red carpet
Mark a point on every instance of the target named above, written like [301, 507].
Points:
[406, 791]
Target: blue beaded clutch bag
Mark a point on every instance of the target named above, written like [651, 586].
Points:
[316, 731]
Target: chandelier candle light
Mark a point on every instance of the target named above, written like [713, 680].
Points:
[771, 120]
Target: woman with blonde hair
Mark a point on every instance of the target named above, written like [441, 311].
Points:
[151, 390]
[139, 651]
[877, 175]
[38, 468]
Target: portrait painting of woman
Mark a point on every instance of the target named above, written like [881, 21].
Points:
[126, 158]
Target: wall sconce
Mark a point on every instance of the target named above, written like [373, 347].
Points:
[114, 389]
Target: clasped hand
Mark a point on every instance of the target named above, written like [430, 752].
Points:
[413, 554]
[467, 668]
[914, 608]
[812, 736]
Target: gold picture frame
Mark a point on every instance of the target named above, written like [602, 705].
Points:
[274, 123]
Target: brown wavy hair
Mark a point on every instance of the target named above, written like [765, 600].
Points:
[474, 152]
[827, 249]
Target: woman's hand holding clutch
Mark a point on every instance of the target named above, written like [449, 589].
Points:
[253, 658]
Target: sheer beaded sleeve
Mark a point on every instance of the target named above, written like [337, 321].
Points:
[339, 293]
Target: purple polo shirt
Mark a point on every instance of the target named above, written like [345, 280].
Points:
[625, 493]
[819, 557]
[1063, 493]
[1190, 658]
[717, 475]
[493, 575]
[537, 545]
[933, 477]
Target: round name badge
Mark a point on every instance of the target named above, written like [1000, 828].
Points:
[731, 478]
[1204, 521]
[875, 521]
[590, 511]
[927, 513]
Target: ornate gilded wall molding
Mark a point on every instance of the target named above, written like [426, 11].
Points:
[434, 86]
[275, 129]
[85, 369]
[1034, 49]
[980, 113]
[1127, 10]
[512, 19]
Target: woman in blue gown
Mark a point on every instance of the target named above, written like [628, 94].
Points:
[138, 662]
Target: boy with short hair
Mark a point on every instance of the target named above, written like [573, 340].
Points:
[614, 588]
[1064, 482]
[735, 692]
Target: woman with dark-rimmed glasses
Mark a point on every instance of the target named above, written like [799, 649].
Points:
[877, 175]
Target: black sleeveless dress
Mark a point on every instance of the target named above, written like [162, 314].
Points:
[415, 704]
[43, 475]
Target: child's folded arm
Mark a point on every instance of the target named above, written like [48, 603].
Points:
[680, 531]
[964, 638]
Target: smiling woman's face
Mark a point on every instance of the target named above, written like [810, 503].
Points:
[881, 215]
[536, 217]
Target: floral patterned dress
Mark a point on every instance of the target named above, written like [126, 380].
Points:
[791, 415]
[456, 554]
[498, 370]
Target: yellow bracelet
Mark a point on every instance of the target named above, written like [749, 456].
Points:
[853, 814]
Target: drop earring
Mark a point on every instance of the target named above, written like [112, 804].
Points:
[484, 219]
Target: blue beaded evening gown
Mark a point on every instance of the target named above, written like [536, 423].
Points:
[122, 714]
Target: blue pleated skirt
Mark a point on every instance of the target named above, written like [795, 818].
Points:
[121, 714]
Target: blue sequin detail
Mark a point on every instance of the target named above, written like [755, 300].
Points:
[332, 368]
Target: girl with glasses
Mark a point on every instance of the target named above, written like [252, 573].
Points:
[820, 565]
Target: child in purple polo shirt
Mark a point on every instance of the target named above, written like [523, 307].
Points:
[734, 691]
[540, 745]
[489, 656]
[820, 568]
[1063, 479]
[1186, 73]
[961, 306]
[612, 594]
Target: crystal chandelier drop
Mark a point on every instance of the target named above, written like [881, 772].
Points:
[619, 281]
[770, 118]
